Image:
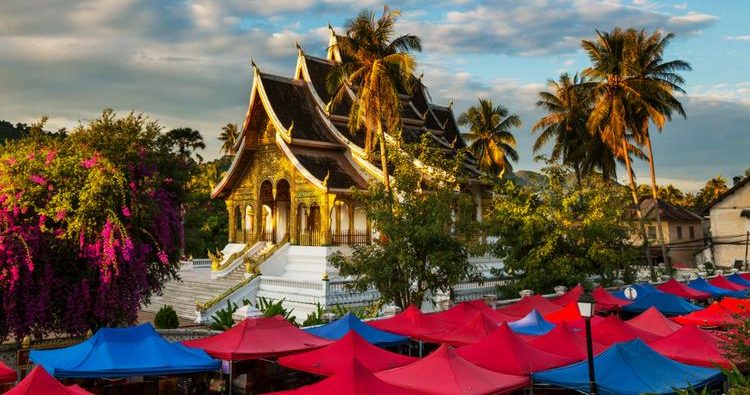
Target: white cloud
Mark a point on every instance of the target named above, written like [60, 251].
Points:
[739, 38]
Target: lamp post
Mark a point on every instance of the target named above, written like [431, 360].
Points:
[586, 307]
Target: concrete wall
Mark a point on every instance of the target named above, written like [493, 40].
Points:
[728, 226]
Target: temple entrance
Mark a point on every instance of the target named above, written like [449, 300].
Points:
[308, 225]
[283, 202]
[238, 232]
[249, 224]
[267, 211]
[340, 223]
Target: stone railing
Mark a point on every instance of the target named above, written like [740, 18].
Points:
[201, 264]
[246, 289]
[203, 306]
[219, 263]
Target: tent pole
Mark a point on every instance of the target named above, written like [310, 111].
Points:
[231, 368]
[421, 349]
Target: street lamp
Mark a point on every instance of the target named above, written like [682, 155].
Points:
[586, 306]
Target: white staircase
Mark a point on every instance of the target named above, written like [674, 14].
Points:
[197, 286]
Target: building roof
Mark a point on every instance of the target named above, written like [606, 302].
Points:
[726, 193]
[667, 210]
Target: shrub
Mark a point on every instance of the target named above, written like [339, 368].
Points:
[166, 318]
[270, 309]
[222, 319]
[315, 318]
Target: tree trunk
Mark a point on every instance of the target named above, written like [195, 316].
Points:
[384, 158]
[654, 195]
[634, 194]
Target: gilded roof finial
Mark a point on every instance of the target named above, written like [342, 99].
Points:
[330, 28]
[26, 342]
[289, 131]
[299, 46]
[450, 105]
[253, 65]
[325, 180]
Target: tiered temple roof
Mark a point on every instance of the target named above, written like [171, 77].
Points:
[315, 137]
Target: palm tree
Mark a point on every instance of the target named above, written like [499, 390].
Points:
[711, 191]
[376, 66]
[228, 137]
[187, 141]
[670, 193]
[615, 92]
[489, 136]
[658, 80]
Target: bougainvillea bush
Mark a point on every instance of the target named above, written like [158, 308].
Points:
[90, 226]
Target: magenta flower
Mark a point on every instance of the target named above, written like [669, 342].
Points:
[125, 212]
[51, 155]
[90, 162]
[11, 161]
[163, 258]
[37, 179]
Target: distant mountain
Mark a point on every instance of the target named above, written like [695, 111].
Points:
[528, 178]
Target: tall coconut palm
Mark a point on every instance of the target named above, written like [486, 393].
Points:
[490, 137]
[376, 66]
[228, 137]
[568, 103]
[615, 92]
[658, 81]
[711, 191]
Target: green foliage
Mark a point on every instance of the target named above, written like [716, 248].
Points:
[206, 222]
[421, 249]
[270, 308]
[314, 318]
[166, 318]
[222, 319]
[361, 312]
[561, 234]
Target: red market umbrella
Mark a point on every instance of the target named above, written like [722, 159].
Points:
[354, 380]
[722, 282]
[692, 346]
[523, 307]
[506, 352]
[569, 297]
[458, 314]
[677, 288]
[606, 302]
[714, 315]
[40, 382]
[414, 324]
[652, 320]
[7, 375]
[475, 328]
[614, 330]
[566, 341]
[339, 356]
[445, 372]
[255, 338]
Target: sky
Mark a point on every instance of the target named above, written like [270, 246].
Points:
[187, 62]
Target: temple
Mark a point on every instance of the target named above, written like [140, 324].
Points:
[297, 162]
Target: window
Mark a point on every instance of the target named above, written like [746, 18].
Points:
[679, 232]
[651, 232]
[691, 230]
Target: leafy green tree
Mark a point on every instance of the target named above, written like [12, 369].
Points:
[553, 234]
[421, 249]
[489, 136]
[228, 137]
[186, 142]
[711, 191]
[376, 66]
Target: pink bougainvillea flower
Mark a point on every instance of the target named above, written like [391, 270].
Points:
[163, 258]
[51, 155]
[125, 212]
[11, 161]
[90, 162]
[37, 179]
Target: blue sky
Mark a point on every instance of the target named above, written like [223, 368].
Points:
[186, 63]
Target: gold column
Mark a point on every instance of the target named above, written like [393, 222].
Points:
[351, 222]
[325, 218]
[230, 209]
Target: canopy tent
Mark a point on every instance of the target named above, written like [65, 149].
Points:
[444, 372]
[458, 313]
[569, 313]
[339, 328]
[533, 324]
[474, 329]
[606, 302]
[524, 306]
[354, 380]
[738, 279]
[518, 357]
[123, 352]
[714, 315]
[667, 304]
[631, 368]
[655, 322]
[702, 285]
[692, 346]
[256, 338]
[677, 288]
[340, 355]
[614, 330]
[569, 297]
[564, 340]
[7, 375]
[722, 282]
[737, 306]
[40, 382]
[415, 324]
[642, 289]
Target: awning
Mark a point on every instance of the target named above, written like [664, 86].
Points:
[631, 368]
[7, 375]
[667, 304]
[692, 346]
[677, 288]
[415, 324]
[702, 285]
[714, 315]
[614, 330]
[256, 338]
[40, 382]
[339, 328]
[524, 306]
[655, 322]
[123, 352]
[533, 324]
[339, 356]
[567, 341]
[476, 327]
